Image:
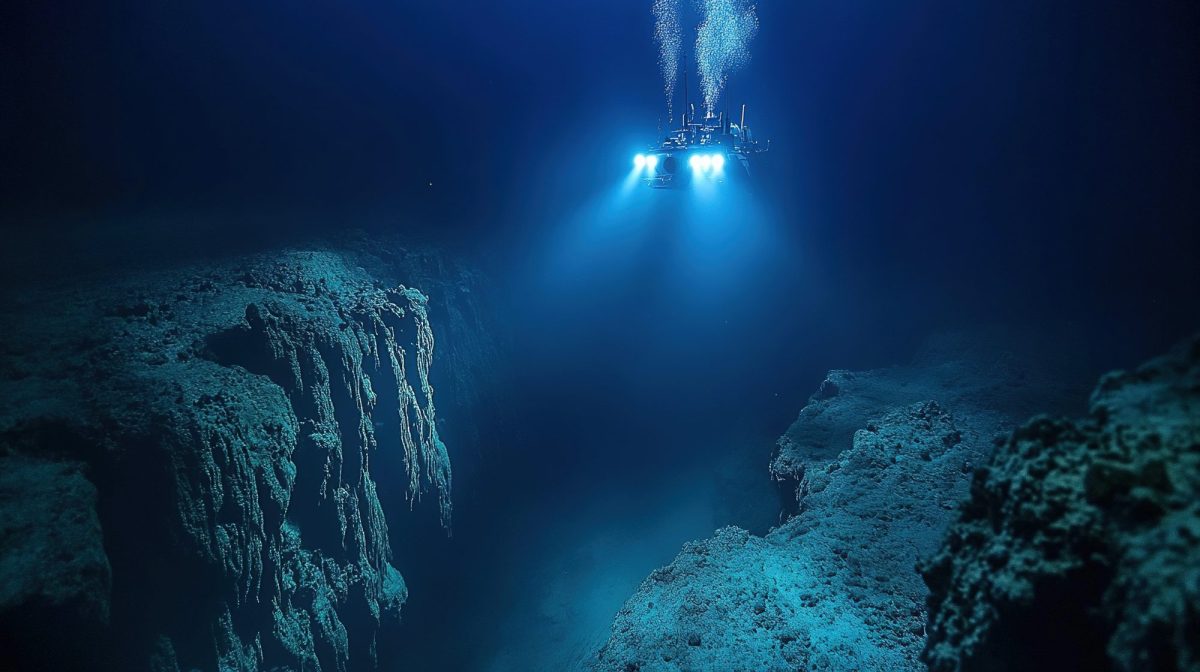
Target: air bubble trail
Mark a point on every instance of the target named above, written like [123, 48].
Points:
[723, 44]
[669, 35]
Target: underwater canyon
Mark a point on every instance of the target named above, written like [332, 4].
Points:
[621, 336]
[193, 482]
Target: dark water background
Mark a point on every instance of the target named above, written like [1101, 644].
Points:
[934, 165]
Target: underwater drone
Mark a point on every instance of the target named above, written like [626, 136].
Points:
[710, 150]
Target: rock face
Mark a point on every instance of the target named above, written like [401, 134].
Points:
[1079, 547]
[873, 470]
[197, 463]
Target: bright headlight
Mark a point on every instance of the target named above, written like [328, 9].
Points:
[694, 162]
[718, 162]
[705, 162]
[639, 161]
[651, 161]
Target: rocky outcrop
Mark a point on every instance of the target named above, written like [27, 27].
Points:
[1079, 547]
[206, 456]
[871, 472]
[998, 376]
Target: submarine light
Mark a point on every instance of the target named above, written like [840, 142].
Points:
[651, 161]
[703, 163]
[639, 161]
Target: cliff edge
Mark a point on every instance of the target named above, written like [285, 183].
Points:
[197, 462]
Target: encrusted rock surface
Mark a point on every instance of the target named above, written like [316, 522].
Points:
[876, 463]
[196, 455]
[1079, 547]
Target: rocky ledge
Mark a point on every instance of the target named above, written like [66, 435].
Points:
[191, 459]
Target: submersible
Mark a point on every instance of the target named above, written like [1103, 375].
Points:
[712, 149]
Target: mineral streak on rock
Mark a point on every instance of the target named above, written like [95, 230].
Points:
[222, 429]
[1079, 547]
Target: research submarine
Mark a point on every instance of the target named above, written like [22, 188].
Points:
[710, 150]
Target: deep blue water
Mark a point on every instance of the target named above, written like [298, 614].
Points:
[934, 165]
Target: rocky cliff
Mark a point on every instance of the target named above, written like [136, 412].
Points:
[196, 463]
[871, 474]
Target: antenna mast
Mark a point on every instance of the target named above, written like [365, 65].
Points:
[685, 92]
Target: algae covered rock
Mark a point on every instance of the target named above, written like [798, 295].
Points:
[1079, 547]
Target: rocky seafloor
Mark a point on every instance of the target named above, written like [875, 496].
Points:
[928, 523]
[191, 458]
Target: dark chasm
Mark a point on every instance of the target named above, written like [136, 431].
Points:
[358, 336]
